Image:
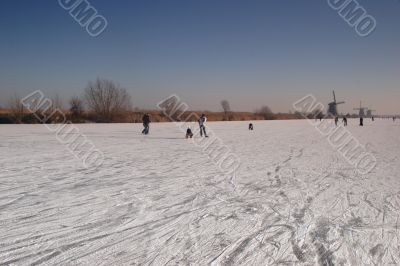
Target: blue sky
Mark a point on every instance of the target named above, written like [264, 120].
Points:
[251, 53]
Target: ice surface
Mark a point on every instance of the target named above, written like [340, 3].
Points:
[161, 200]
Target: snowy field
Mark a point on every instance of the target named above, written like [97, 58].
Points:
[161, 200]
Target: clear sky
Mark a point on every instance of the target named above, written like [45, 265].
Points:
[250, 52]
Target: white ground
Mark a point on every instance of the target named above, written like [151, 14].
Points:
[160, 200]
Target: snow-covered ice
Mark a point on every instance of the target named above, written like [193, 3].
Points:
[161, 200]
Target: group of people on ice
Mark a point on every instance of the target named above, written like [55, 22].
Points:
[203, 119]
[189, 134]
[344, 121]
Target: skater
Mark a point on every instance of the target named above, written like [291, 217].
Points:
[373, 119]
[361, 122]
[146, 124]
[202, 120]
[336, 120]
[345, 121]
[251, 126]
[189, 133]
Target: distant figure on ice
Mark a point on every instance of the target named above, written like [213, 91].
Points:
[189, 133]
[336, 120]
[373, 119]
[202, 120]
[251, 126]
[345, 121]
[146, 124]
[361, 122]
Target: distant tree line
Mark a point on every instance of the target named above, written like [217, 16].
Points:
[104, 101]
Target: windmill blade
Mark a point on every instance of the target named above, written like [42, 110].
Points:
[340, 102]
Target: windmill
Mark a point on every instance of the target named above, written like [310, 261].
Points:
[361, 110]
[332, 107]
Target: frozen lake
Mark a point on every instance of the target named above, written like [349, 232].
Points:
[161, 200]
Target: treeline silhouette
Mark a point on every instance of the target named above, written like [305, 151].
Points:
[104, 101]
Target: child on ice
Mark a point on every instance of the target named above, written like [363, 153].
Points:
[189, 133]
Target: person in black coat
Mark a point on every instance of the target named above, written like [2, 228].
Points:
[146, 124]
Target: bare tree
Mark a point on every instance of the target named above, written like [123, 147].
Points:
[76, 107]
[266, 113]
[16, 108]
[106, 98]
[227, 109]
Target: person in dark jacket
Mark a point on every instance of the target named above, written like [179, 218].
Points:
[345, 121]
[361, 121]
[251, 126]
[146, 124]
